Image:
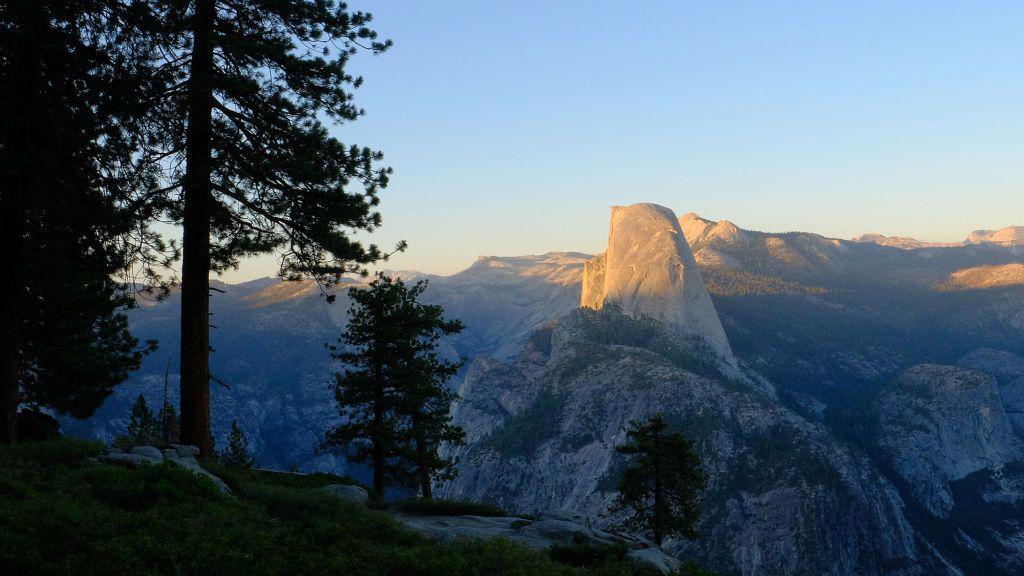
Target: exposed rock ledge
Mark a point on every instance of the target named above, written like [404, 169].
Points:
[540, 534]
[178, 455]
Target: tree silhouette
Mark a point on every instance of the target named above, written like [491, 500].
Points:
[253, 169]
[74, 201]
[424, 402]
[661, 484]
[143, 426]
[237, 452]
[392, 393]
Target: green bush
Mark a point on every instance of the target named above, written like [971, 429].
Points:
[583, 555]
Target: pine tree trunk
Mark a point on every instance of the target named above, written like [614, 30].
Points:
[425, 485]
[18, 146]
[9, 370]
[195, 268]
[378, 429]
[378, 407]
[658, 495]
[9, 375]
[422, 468]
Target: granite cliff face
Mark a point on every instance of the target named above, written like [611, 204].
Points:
[947, 438]
[1008, 370]
[938, 424]
[649, 270]
[784, 497]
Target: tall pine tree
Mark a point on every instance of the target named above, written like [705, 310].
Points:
[392, 393]
[661, 485]
[250, 86]
[74, 202]
[425, 401]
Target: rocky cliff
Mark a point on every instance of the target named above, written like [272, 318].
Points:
[784, 497]
[1009, 236]
[649, 270]
[947, 440]
[938, 424]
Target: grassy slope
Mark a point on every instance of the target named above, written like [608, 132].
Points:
[61, 514]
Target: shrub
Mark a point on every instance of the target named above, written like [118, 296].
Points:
[62, 514]
[583, 555]
[438, 507]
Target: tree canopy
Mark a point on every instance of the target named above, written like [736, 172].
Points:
[392, 393]
[75, 201]
[251, 89]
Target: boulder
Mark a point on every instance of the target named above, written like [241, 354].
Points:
[348, 492]
[186, 450]
[127, 460]
[567, 515]
[561, 531]
[654, 559]
[149, 452]
[37, 426]
[191, 464]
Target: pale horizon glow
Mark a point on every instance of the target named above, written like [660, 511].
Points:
[512, 128]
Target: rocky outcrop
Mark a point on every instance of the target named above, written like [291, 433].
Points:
[1008, 370]
[183, 456]
[649, 270]
[938, 424]
[1009, 236]
[348, 492]
[540, 533]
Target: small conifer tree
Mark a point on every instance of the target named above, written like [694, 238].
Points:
[661, 485]
[143, 426]
[237, 452]
[171, 426]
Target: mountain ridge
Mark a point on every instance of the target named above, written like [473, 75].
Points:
[1008, 236]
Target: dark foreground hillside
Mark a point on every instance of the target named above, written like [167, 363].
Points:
[61, 513]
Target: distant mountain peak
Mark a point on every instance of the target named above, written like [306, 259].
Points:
[699, 230]
[649, 270]
[903, 242]
[1009, 236]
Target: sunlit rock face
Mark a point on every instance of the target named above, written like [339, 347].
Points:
[649, 270]
[1009, 236]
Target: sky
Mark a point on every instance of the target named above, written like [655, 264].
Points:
[512, 127]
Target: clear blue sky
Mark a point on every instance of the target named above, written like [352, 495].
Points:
[513, 126]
